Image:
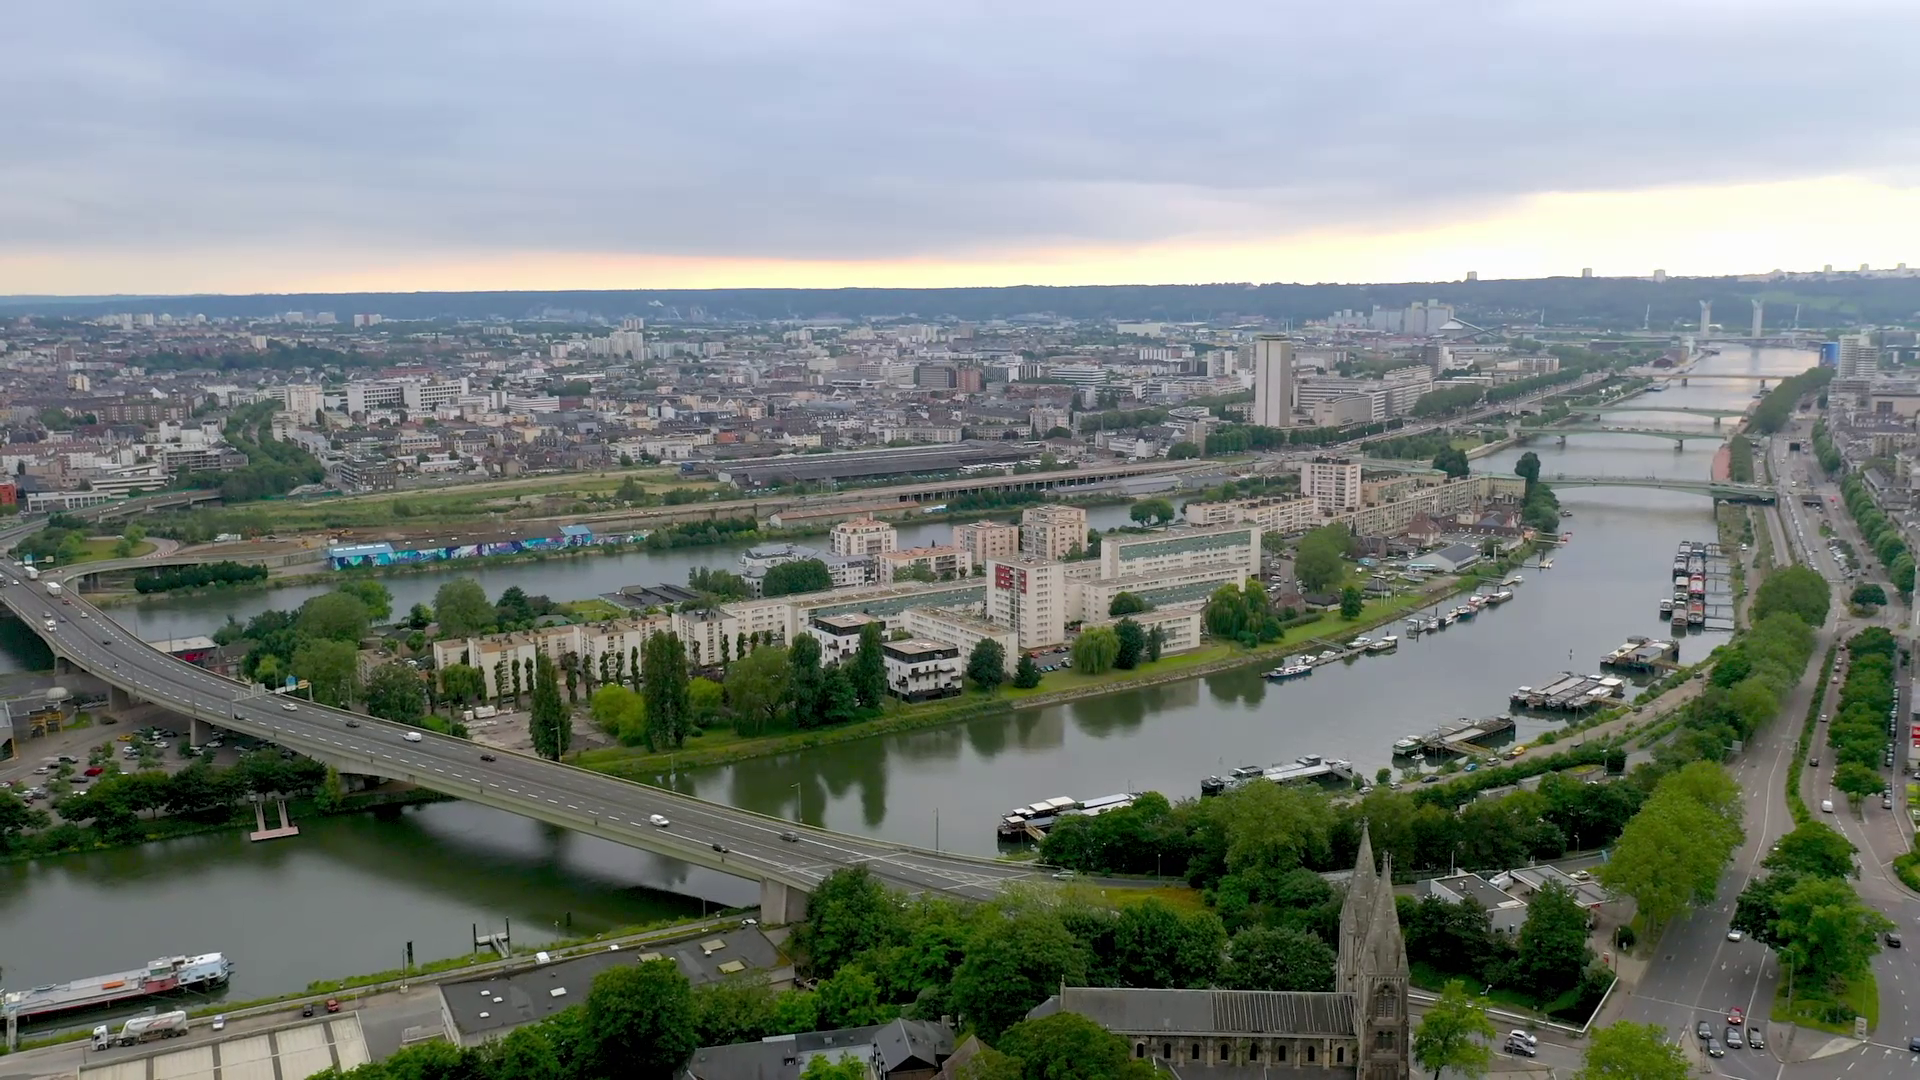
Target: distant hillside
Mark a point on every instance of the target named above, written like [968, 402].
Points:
[1599, 302]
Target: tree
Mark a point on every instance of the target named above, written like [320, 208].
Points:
[1156, 946]
[756, 687]
[332, 667]
[1012, 965]
[517, 687]
[1068, 1045]
[1277, 958]
[851, 998]
[1318, 564]
[1182, 450]
[1156, 641]
[1868, 594]
[669, 710]
[638, 1021]
[462, 608]
[801, 575]
[705, 699]
[376, 596]
[1132, 640]
[1858, 781]
[335, 616]
[1628, 1051]
[1553, 943]
[419, 616]
[1672, 852]
[1125, 603]
[869, 668]
[1528, 469]
[1151, 511]
[513, 607]
[987, 664]
[1352, 602]
[394, 692]
[848, 1067]
[1453, 1034]
[1026, 673]
[619, 712]
[549, 723]
[806, 683]
[1095, 650]
[838, 702]
[1813, 850]
[849, 914]
[16, 817]
[1453, 462]
[525, 1054]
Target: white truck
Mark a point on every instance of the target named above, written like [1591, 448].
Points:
[142, 1029]
[32, 574]
[483, 712]
[53, 588]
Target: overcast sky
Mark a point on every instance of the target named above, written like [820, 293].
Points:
[240, 146]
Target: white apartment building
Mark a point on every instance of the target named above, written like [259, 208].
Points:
[413, 395]
[1272, 381]
[299, 400]
[943, 561]
[1030, 596]
[864, 536]
[1332, 483]
[1859, 357]
[839, 635]
[588, 641]
[1052, 532]
[1162, 554]
[1281, 514]
[985, 540]
[919, 670]
[961, 629]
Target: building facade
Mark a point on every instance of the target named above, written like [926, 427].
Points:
[864, 536]
[1332, 483]
[1030, 596]
[1052, 532]
[1272, 381]
[985, 540]
[921, 670]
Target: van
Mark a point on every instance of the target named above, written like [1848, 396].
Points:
[1826, 806]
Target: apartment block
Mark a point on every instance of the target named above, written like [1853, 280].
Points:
[864, 536]
[1160, 554]
[1030, 596]
[1281, 514]
[839, 635]
[961, 629]
[1052, 532]
[985, 540]
[919, 670]
[1332, 483]
[943, 562]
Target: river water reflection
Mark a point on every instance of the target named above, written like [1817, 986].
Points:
[348, 893]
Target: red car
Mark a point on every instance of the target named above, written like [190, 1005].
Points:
[333, 1005]
[95, 770]
[1736, 1015]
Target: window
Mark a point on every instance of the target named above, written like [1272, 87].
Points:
[1384, 1004]
[1166, 1051]
[1309, 1053]
[1139, 1050]
[1339, 1055]
[1383, 1040]
[1253, 1051]
[1280, 1053]
[1195, 1056]
[1226, 1051]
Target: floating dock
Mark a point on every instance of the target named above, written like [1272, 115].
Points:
[1569, 692]
[1643, 654]
[160, 976]
[1307, 767]
[1458, 738]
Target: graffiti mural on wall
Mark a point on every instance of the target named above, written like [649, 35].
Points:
[343, 556]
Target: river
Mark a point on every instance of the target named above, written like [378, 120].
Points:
[349, 893]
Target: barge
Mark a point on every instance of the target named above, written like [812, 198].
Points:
[1643, 654]
[1306, 767]
[1459, 738]
[164, 975]
[1034, 820]
[1570, 692]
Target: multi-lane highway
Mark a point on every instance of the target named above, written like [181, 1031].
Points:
[787, 858]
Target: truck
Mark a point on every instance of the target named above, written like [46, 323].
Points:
[142, 1029]
[51, 625]
[32, 574]
[483, 712]
[53, 588]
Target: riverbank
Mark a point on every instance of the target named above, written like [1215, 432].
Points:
[69, 838]
[724, 748]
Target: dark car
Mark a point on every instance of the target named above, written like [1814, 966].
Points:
[719, 847]
[1714, 1049]
[1703, 1030]
[1756, 1039]
[351, 722]
[486, 757]
[307, 1009]
[790, 836]
[1913, 1043]
[1893, 940]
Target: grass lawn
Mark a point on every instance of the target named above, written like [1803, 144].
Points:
[100, 549]
[593, 608]
[1179, 897]
[464, 501]
[1861, 998]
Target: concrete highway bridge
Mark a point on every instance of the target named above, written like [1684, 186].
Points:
[1719, 489]
[787, 859]
[1690, 410]
[1563, 430]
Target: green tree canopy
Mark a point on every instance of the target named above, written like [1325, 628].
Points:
[1454, 1034]
[1628, 1051]
[462, 608]
[987, 664]
[1095, 651]
[639, 1021]
[395, 692]
[1318, 563]
[801, 575]
[335, 616]
[1277, 958]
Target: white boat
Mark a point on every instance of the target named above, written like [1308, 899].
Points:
[1385, 644]
[1513, 579]
[1408, 744]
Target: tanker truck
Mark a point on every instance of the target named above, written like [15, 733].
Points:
[142, 1029]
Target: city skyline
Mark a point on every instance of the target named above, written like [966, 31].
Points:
[830, 145]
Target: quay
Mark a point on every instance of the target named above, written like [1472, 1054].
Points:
[1569, 693]
[1640, 653]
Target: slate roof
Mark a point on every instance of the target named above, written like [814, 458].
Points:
[903, 1044]
[1225, 1012]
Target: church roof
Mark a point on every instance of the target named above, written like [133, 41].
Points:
[1212, 1012]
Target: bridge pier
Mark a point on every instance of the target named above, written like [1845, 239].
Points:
[1679, 445]
[199, 732]
[119, 700]
[63, 666]
[781, 903]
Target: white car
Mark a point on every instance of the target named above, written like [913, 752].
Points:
[658, 821]
[1735, 935]
[411, 736]
[289, 706]
[219, 1021]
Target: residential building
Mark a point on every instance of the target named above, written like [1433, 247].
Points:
[864, 536]
[1180, 626]
[1332, 483]
[962, 630]
[365, 474]
[942, 562]
[1505, 913]
[1052, 532]
[1272, 381]
[1030, 595]
[135, 410]
[495, 654]
[839, 635]
[181, 460]
[413, 395]
[922, 670]
[1234, 548]
[984, 540]
[1358, 1031]
[1859, 356]
[1279, 513]
[900, 1050]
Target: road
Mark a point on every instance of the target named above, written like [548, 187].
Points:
[732, 841]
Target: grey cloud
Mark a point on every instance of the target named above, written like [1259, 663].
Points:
[810, 128]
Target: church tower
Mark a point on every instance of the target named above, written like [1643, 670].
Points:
[1373, 968]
